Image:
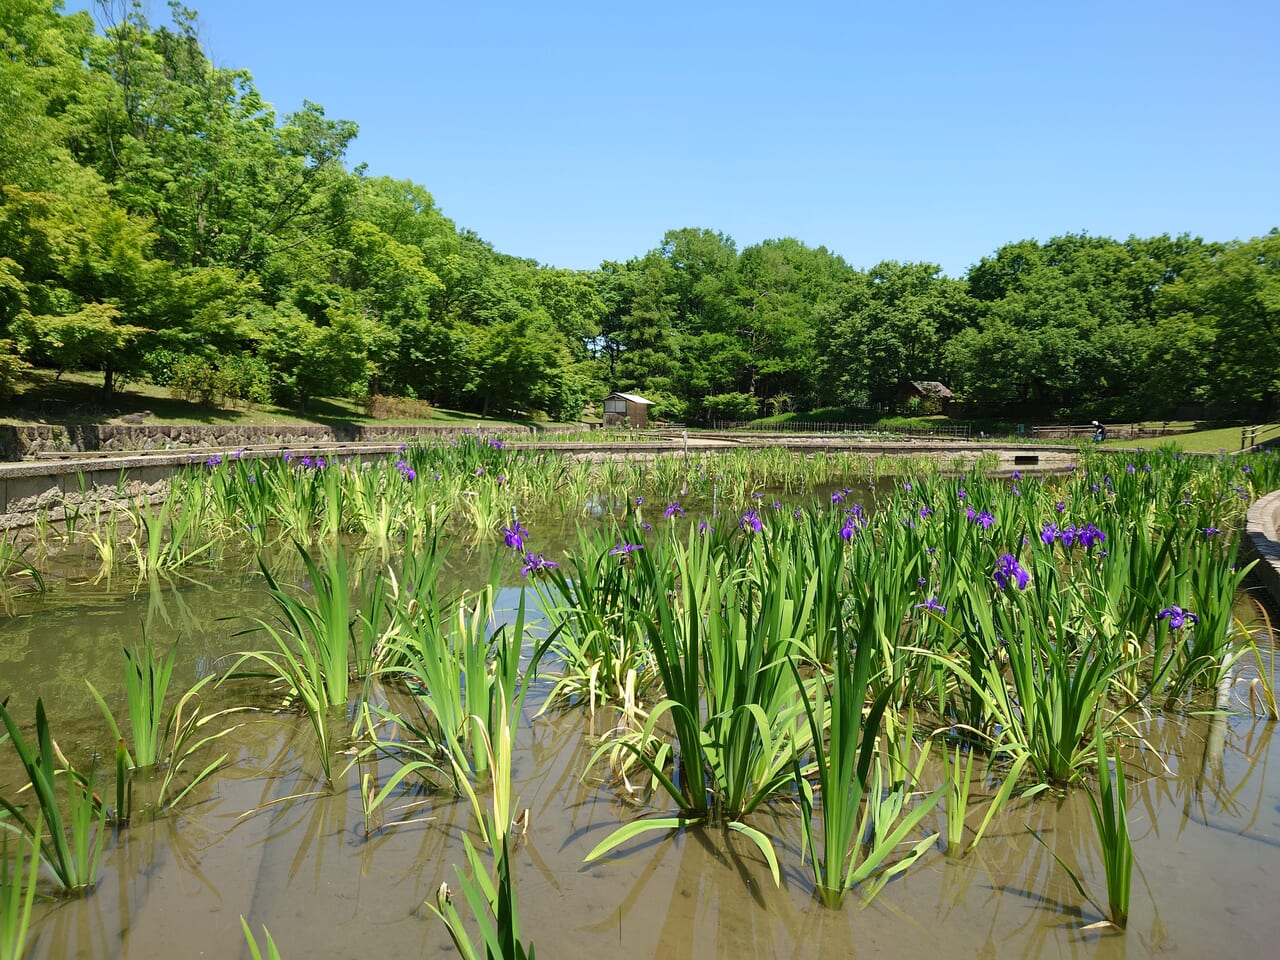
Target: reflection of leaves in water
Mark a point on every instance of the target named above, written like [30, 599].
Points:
[71, 634]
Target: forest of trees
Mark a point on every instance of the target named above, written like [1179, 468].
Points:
[159, 221]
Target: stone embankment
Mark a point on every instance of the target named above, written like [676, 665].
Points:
[28, 440]
[1262, 541]
[59, 479]
[54, 489]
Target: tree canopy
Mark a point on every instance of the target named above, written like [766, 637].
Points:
[156, 211]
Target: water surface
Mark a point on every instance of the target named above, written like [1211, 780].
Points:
[265, 839]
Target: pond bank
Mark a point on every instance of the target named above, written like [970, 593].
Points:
[31, 439]
[55, 482]
[1261, 540]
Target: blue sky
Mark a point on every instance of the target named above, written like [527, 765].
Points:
[578, 132]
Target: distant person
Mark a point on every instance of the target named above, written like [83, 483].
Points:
[1099, 432]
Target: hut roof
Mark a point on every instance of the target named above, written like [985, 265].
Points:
[931, 388]
[630, 398]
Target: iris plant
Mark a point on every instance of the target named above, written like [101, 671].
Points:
[1008, 571]
[514, 535]
[1177, 617]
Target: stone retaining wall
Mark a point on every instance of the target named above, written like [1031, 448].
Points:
[55, 493]
[17, 442]
[55, 489]
[1261, 541]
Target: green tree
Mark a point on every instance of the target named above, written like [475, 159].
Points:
[1226, 327]
[780, 290]
[309, 359]
[889, 325]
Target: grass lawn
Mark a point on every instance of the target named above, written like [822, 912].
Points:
[1199, 441]
[42, 397]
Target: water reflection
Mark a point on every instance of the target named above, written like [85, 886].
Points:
[266, 838]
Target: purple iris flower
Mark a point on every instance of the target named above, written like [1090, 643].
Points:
[984, 519]
[673, 510]
[933, 605]
[1088, 535]
[1049, 534]
[513, 536]
[406, 471]
[1008, 571]
[751, 519]
[850, 527]
[704, 528]
[537, 564]
[1177, 617]
[625, 550]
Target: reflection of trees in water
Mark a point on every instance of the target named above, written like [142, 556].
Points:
[77, 632]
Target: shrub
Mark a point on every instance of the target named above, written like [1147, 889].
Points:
[667, 406]
[191, 378]
[158, 364]
[11, 366]
[732, 406]
[236, 379]
[244, 378]
[386, 408]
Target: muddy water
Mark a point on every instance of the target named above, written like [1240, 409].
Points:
[265, 840]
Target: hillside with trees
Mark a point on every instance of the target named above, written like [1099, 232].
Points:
[160, 221]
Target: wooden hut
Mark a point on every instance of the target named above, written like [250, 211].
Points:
[626, 410]
[934, 395]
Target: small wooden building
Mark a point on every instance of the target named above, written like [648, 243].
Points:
[626, 410]
[930, 392]
[924, 389]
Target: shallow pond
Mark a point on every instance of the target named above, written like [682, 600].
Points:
[263, 840]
